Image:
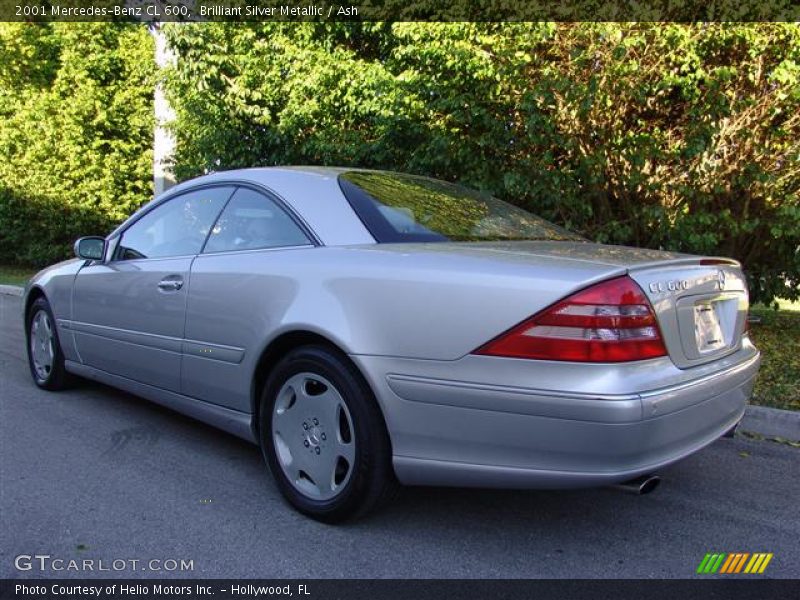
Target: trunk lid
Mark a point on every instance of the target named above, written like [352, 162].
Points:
[701, 308]
[701, 303]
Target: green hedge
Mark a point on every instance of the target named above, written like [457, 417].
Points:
[673, 136]
[76, 129]
[677, 136]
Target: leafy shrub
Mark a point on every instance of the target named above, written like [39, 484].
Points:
[676, 136]
[76, 131]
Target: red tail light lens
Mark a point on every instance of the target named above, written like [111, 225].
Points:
[612, 321]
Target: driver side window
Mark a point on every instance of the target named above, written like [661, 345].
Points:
[176, 228]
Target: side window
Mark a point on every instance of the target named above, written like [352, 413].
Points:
[176, 228]
[252, 221]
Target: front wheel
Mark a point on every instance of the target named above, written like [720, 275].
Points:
[324, 437]
[45, 358]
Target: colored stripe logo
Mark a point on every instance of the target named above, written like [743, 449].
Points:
[733, 563]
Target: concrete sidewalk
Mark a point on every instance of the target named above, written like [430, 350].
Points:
[11, 290]
[772, 422]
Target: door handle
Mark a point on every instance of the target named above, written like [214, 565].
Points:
[170, 285]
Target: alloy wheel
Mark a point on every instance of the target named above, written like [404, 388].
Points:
[42, 340]
[312, 431]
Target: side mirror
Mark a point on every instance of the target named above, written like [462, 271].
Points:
[90, 248]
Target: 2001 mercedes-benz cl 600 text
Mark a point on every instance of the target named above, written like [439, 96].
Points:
[367, 327]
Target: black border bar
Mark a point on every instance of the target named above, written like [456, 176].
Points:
[401, 10]
[721, 588]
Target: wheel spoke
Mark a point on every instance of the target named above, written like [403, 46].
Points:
[297, 466]
[342, 426]
[346, 451]
[34, 340]
[35, 354]
[287, 420]
[328, 406]
[321, 471]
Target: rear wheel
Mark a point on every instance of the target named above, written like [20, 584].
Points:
[323, 436]
[45, 358]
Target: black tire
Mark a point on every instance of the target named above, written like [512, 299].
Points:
[57, 378]
[372, 480]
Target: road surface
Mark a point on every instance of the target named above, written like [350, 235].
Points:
[96, 474]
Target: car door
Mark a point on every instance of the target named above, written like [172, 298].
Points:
[239, 292]
[129, 312]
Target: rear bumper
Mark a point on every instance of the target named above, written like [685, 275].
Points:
[463, 433]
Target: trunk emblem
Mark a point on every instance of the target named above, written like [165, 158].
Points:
[721, 279]
[674, 285]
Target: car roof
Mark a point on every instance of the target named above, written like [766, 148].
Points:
[264, 175]
[273, 175]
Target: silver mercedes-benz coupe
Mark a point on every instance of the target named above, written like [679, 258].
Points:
[367, 328]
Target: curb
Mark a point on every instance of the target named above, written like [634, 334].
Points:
[11, 290]
[769, 422]
[772, 422]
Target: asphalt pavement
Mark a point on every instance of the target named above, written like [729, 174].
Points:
[94, 474]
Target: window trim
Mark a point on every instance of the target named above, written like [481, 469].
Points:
[119, 232]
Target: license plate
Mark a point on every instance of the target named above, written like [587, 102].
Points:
[707, 328]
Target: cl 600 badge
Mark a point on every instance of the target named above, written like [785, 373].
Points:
[669, 286]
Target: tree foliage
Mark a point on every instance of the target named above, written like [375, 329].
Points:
[677, 136]
[76, 130]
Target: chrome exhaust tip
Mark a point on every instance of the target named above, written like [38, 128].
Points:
[639, 486]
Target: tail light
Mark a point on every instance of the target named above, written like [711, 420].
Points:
[612, 321]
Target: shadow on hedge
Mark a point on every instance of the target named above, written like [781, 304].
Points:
[37, 230]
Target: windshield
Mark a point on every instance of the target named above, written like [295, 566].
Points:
[406, 208]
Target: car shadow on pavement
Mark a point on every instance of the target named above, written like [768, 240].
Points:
[152, 424]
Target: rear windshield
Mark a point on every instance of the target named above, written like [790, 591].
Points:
[406, 208]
